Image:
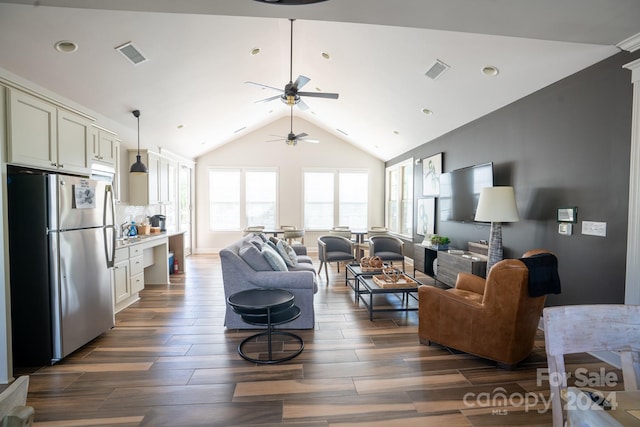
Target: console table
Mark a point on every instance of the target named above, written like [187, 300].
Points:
[423, 258]
[449, 265]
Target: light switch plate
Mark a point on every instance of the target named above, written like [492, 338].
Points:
[565, 229]
[594, 228]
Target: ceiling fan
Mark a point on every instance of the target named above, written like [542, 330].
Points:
[292, 139]
[291, 94]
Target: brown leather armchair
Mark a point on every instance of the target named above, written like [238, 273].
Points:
[493, 318]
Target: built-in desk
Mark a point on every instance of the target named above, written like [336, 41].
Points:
[176, 245]
[139, 261]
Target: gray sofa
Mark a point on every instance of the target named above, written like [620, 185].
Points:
[245, 266]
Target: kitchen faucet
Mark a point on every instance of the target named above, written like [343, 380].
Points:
[124, 233]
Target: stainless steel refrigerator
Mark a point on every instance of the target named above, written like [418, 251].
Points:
[61, 249]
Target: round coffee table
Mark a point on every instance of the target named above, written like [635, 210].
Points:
[266, 307]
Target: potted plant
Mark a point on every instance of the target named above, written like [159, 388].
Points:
[440, 242]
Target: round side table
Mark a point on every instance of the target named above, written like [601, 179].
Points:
[266, 307]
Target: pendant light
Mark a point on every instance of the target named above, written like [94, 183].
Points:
[138, 166]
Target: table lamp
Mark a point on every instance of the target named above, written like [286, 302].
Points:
[496, 205]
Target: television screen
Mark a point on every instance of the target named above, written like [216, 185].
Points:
[460, 191]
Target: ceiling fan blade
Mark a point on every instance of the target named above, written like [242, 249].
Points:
[319, 95]
[278, 136]
[312, 141]
[276, 140]
[301, 81]
[268, 99]
[302, 105]
[264, 86]
[301, 135]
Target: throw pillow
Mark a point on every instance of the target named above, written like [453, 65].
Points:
[274, 259]
[287, 253]
[252, 256]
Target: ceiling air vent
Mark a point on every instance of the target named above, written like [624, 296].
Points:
[437, 69]
[131, 53]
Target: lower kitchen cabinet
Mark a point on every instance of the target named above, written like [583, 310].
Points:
[128, 276]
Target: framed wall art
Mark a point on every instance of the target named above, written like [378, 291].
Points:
[431, 171]
[426, 220]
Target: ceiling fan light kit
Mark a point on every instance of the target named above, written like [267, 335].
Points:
[290, 96]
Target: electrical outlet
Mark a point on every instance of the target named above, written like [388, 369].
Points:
[594, 228]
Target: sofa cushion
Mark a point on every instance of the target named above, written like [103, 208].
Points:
[253, 256]
[274, 259]
[287, 253]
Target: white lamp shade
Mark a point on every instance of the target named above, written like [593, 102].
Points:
[497, 204]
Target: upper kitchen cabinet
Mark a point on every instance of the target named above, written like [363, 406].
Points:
[152, 188]
[43, 135]
[104, 147]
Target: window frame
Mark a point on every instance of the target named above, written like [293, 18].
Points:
[403, 198]
[243, 223]
[335, 172]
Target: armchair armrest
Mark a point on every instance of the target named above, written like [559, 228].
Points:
[470, 282]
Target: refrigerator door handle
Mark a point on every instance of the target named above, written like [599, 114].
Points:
[109, 249]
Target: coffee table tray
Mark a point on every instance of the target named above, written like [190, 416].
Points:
[404, 282]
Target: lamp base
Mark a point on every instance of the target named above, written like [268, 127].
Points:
[495, 245]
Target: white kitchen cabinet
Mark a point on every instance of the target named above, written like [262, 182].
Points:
[121, 277]
[73, 143]
[154, 187]
[164, 181]
[40, 134]
[128, 276]
[104, 147]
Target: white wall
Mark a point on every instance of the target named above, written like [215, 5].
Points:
[252, 150]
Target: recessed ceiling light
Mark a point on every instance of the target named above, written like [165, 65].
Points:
[66, 46]
[255, 51]
[490, 70]
[318, 89]
[427, 111]
[326, 55]
[395, 132]
[180, 126]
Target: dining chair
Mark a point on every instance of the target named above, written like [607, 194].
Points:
[292, 235]
[333, 248]
[341, 231]
[253, 229]
[586, 328]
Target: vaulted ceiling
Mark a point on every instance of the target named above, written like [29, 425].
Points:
[192, 94]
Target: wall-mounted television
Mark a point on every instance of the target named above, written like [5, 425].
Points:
[460, 191]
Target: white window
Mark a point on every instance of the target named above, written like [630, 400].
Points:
[318, 200]
[260, 198]
[336, 197]
[224, 199]
[353, 199]
[239, 198]
[399, 198]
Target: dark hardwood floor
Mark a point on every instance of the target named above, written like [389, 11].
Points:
[170, 362]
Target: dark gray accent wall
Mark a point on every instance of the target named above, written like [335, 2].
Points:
[565, 145]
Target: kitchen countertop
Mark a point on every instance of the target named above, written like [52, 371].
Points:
[143, 238]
